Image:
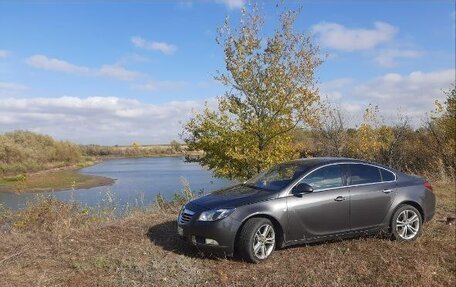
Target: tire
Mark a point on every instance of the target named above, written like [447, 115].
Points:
[257, 232]
[406, 223]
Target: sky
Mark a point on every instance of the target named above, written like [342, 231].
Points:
[118, 72]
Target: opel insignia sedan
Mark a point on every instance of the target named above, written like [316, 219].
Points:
[307, 200]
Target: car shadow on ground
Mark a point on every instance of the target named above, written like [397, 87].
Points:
[165, 236]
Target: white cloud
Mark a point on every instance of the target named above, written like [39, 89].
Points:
[339, 37]
[389, 57]
[153, 86]
[11, 89]
[132, 58]
[57, 65]
[414, 88]
[334, 89]
[119, 72]
[45, 63]
[413, 94]
[163, 47]
[4, 54]
[101, 120]
[232, 4]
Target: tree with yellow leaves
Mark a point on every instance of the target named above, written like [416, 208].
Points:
[442, 126]
[135, 146]
[271, 91]
[371, 138]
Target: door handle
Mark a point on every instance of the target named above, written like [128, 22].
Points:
[339, 198]
[387, 190]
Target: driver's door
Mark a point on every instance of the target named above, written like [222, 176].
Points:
[323, 212]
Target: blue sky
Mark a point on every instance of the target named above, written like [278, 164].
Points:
[117, 72]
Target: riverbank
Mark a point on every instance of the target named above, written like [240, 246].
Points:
[31, 162]
[52, 180]
[59, 244]
[66, 178]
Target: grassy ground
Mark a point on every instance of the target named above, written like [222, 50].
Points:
[53, 180]
[56, 244]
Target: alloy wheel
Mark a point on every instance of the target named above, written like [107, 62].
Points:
[407, 224]
[264, 241]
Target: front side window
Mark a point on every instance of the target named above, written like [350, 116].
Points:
[325, 177]
[362, 174]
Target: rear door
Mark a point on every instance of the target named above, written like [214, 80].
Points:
[372, 191]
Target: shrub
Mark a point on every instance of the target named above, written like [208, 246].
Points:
[24, 151]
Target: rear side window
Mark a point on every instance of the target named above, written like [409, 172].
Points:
[361, 174]
[325, 177]
[387, 175]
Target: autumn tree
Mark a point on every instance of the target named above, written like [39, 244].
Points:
[270, 92]
[331, 129]
[175, 146]
[442, 127]
[370, 138]
[368, 134]
[135, 146]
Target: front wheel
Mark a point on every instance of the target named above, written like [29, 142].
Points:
[406, 223]
[257, 240]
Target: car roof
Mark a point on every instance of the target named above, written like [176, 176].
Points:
[318, 161]
[325, 160]
[312, 162]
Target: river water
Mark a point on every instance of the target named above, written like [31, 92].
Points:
[137, 182]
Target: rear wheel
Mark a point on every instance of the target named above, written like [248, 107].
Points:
[406, 223]
[256, 240]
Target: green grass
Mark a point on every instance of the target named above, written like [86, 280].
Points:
[15, 178]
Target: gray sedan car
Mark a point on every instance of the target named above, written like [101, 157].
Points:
[308, 200]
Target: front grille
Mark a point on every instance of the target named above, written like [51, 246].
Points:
[186, 215]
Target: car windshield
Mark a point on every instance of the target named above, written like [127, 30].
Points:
[277, 177]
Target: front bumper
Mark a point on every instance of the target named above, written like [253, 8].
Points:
[203, 233]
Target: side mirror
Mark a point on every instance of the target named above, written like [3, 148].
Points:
[302, 188]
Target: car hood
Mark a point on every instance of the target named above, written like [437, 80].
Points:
[233, 197]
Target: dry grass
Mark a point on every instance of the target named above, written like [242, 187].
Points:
[55, 244]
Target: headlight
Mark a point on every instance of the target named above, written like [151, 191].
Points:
[215, 214]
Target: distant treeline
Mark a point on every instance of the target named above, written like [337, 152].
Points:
[134, 150]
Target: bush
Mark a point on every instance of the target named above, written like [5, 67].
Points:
[24, 151]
